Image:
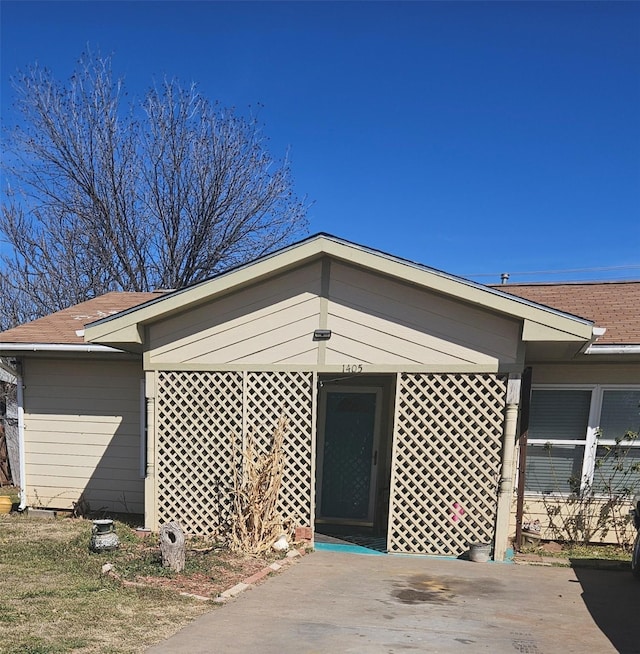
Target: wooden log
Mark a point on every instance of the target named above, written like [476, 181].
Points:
[172, 546]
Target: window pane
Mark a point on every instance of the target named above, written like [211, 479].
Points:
[559, 414]
[553, 469]
[620, 413]
[617, 470]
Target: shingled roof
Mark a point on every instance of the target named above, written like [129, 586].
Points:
[66, 326]
[614, 305]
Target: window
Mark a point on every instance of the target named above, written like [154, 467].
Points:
[571, 430]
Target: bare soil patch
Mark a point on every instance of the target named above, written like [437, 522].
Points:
[228, 571]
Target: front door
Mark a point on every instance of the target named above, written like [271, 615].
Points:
[349, 428]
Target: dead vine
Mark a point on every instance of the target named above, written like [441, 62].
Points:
[256, 522]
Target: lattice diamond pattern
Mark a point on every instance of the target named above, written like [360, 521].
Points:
[199, 435]
[446, 462]
[268, 394]
[199, 418]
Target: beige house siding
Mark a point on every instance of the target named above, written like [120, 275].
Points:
[82, 434]
[557, 511]
[375, 319]
[268, 323]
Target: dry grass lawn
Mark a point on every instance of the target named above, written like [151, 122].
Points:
[54, 598]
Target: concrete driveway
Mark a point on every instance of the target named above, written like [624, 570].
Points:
[336, 602]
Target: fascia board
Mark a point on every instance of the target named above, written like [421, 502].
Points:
[536, 332]
[123, 334]
[110, 330]
[7, 374]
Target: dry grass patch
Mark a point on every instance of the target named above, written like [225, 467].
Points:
[577, 552]
[54, 598]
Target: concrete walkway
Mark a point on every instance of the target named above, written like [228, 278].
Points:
[334, 602]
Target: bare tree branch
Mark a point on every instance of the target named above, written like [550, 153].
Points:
[106, 196]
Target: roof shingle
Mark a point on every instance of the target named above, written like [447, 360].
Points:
[614, 305]
[62, 326]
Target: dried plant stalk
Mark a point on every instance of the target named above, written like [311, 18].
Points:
[256, 522]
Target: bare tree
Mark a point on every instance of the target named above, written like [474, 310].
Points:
[103, 196]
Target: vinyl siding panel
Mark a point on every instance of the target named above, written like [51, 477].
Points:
[372, 344]
[259, 324]
[82, 433]
[377, 319]
[537, 508]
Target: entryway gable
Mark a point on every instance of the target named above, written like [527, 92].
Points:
[373, 320]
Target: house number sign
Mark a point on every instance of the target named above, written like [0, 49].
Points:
[353, 368]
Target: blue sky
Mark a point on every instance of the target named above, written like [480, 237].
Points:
[472, 137]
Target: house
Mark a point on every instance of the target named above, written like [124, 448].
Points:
[401, 385]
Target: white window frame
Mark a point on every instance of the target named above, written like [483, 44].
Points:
[591, 440]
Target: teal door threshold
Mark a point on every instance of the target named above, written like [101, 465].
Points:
[346, 548]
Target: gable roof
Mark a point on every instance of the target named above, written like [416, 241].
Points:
[540, 323]
[607, 304]
[66, 327]
[614, 305]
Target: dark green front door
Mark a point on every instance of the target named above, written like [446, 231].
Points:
[347, 455]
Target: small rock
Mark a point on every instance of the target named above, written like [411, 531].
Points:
[107, 568]
[281, 545]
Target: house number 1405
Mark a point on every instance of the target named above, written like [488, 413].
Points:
[352, 368]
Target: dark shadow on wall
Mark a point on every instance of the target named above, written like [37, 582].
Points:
[612, 597]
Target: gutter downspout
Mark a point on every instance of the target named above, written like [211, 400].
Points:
[525, 409]
[596, 333]
[21, 448]
[150, 485]
[505, 491]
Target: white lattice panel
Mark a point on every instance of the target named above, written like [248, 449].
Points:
[199, 436]
[446, 462]
[268, 395]
[200, 421]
